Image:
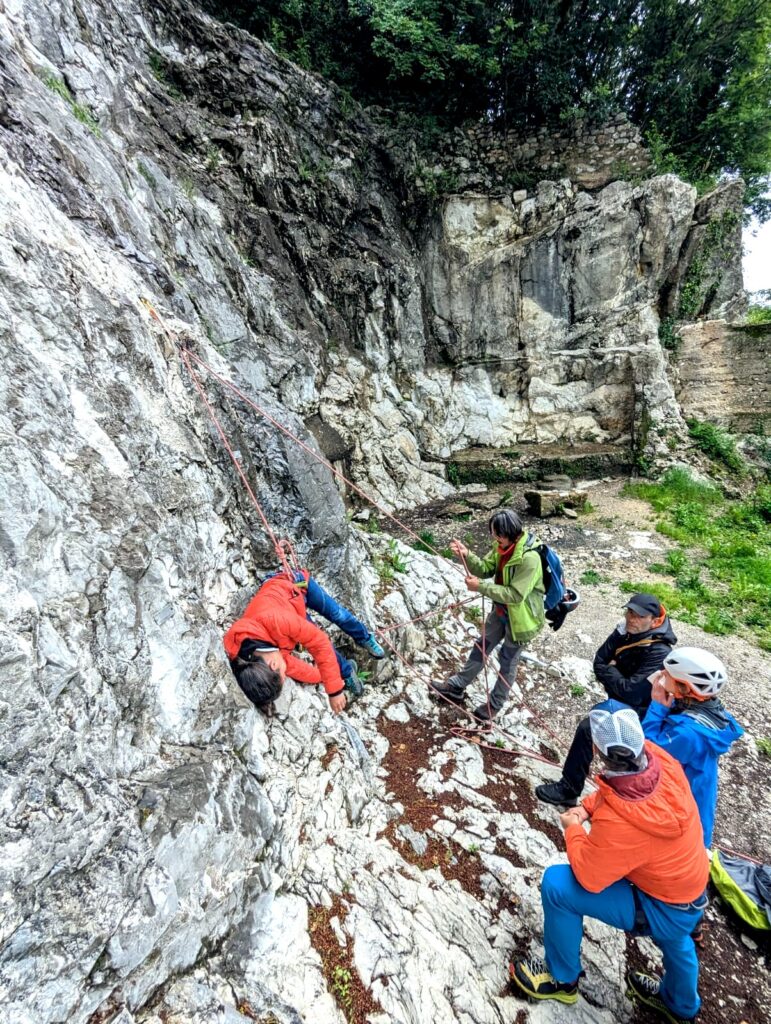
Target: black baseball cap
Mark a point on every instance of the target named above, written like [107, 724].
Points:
[644, 604]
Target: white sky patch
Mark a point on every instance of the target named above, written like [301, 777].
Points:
[757, 256]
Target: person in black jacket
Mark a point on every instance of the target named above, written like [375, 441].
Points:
[624, 664]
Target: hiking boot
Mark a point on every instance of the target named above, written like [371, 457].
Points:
[556, 793]
[448, 692]
[645, 989]
[373, 647]
[484, 715]
[354, 687]
[532, 976]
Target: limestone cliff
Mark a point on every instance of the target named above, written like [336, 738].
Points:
[149, 817]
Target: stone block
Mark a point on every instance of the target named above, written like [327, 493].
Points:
[553, 503]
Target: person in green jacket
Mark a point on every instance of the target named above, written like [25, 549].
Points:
[512, 577]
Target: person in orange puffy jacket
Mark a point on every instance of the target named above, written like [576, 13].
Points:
[260, 643]
[641, 867]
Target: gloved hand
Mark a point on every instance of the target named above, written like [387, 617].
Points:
[556, 616]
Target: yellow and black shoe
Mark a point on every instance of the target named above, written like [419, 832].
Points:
[532, 977]
[644, 988]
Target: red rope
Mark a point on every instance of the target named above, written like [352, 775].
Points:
[320, 458]
[277, 545]
[426, 615]
[525, 751]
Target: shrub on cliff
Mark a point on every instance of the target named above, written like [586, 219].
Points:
[695, 77]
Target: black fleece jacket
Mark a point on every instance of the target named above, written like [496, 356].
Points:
[637, 656]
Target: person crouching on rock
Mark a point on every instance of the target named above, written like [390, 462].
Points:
[634, 651]
[642, 868]
[511, 575]
[260, 643]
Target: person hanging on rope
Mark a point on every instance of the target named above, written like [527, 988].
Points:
[641, 867]
[511, 575]
[260, 643]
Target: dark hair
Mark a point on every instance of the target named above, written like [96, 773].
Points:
[506, 523]
[621, 759]
[260, 682]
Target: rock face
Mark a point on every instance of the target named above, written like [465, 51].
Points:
[156, 859]
[724, 374]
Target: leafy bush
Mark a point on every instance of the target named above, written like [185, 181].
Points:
[758, 315]
[691, 75]
[717, 444]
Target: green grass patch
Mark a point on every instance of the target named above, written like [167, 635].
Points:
[79, 112]
[427, 542]
[717, 444]
[764, 746]
[721, 573]
[591, 576]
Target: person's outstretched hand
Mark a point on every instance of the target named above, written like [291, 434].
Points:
[458, 548]
[337, 703]
[472, 582]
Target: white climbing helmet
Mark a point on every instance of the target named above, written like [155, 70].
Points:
[703, 673]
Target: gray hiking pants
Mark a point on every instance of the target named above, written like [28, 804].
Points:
[495, 630]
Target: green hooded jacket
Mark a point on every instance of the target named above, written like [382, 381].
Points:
[522, 590]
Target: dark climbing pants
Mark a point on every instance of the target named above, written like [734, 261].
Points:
[495, 630]
[581, 752]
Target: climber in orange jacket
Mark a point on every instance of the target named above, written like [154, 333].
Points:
[642, 868]
[260, 643]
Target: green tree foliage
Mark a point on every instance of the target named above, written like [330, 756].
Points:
[693, 74]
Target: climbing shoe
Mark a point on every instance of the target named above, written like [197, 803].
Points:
[373, 647]
[446, 691]
[484, 715]
[532, 977]
[556, 793]
[354, 687]
[642, 988]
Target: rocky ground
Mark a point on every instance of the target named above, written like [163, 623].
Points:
[416, 871]
[618, 542]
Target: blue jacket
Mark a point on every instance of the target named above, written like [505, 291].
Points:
[696, 735]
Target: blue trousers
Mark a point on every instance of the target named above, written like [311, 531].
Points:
[566, 903]
[318, 600]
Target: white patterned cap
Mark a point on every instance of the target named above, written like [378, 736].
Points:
[617, 729]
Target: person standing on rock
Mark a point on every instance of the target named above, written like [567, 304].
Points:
[634, 651]
[511, 575]
[687, 719]
[260, 643]
[642, 868]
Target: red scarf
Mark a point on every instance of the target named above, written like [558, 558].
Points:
[504, 554]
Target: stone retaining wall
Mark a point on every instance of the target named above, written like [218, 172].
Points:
[590, 155]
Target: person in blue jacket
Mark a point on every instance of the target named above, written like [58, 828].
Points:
[687, 719]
